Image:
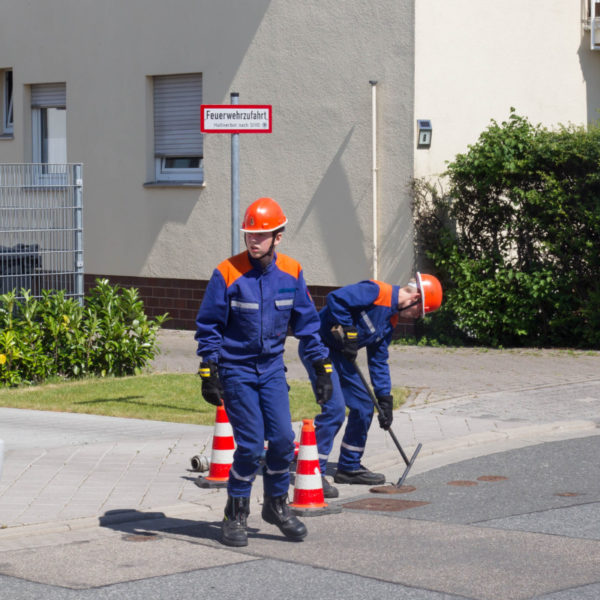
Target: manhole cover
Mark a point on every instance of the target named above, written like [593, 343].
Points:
[462, 483]
[392, 489]
[567, 494]
[140, 537]
[492, 478]
[384, 504]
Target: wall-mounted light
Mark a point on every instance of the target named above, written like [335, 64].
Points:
[424, 131]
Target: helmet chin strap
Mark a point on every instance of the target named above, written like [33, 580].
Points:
[269, 252]
[410, 305]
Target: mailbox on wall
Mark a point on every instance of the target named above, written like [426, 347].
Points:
[424, 131]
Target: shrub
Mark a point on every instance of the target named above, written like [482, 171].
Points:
[515, 237]
[55, 336]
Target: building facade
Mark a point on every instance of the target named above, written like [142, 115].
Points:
[118, 86]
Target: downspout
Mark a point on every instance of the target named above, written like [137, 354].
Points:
[374, 176]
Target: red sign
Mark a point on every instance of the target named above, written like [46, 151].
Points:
[235, 118]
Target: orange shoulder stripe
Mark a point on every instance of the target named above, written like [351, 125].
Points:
[385, 294]
[233, 268]
[288, 265]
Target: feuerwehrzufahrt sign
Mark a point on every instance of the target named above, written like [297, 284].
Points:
[235, 118]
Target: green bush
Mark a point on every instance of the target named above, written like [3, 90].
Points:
[55, 336]
[515, 238]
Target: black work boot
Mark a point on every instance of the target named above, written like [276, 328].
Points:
[233, 527]
[361, 476]
[329, 491]
[276, 511]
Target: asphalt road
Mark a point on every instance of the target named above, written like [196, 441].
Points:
[523, 523]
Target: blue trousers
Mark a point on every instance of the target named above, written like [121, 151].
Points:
[258, 408]
[348, 391]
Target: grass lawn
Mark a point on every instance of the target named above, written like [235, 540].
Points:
[157, 397]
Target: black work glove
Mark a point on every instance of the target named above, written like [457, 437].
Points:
[385, 416]
[348, 338]
[323, 384]
[212, 390]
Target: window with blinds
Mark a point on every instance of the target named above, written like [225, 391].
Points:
[178, 143]
[49, 123]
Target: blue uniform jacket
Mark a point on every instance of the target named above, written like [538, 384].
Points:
[372, 307]
[245, 313]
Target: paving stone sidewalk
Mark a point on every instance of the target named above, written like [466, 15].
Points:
[63, 471]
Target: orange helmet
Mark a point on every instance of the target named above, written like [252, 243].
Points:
[431, 292]
[263, 215]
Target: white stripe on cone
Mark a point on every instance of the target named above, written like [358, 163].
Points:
[308, 453]
[223, 430]
[222, 457]
[309, 482]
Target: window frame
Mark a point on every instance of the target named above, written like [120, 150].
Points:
[7, 102]
[168, 96]
[46, 97]
[167, 174]
[39, 124]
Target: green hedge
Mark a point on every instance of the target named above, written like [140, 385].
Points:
[514, 234]
[55, 336]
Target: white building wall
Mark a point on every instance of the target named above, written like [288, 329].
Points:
[475, 59]
[458, 63]
[311, 60]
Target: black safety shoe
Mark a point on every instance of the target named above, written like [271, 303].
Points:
[234, 526]
[276, 511]
[361, 476]
[328, 490]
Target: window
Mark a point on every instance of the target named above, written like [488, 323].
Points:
[49, 130]
[7, 102]
[49, 122]
[178, 144]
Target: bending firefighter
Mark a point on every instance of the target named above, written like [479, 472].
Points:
[250, 301]
[362, 315]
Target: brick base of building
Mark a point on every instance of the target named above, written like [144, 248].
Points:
[181, 298]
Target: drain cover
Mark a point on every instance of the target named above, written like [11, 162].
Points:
[462, 483]
[492, 478]
[384, 504]
[392, 489]
[568, 494]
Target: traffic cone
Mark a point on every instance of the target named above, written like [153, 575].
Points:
[222, 453]
[308, 487]
[296, 450]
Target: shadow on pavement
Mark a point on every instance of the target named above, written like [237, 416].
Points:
[141, 526]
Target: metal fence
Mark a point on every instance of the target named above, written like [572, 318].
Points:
[41, 233]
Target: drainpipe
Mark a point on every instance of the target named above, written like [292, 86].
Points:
[374, 175]
[235, 185]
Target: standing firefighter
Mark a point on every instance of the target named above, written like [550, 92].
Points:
[250, 301]
[363, 314]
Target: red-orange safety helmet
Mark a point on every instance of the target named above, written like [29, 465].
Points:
[431, 292]
[263, 215]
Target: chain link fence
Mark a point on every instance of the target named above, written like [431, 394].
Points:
[41, 232]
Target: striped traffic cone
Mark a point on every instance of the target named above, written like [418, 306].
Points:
[308, 487]
[222, 453]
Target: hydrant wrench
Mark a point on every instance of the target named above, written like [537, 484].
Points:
[409, 463]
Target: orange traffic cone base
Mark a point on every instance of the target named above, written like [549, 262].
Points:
[222, 453]
[308, 487]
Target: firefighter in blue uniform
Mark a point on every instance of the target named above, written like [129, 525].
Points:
[362, 314]
[250, 301]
